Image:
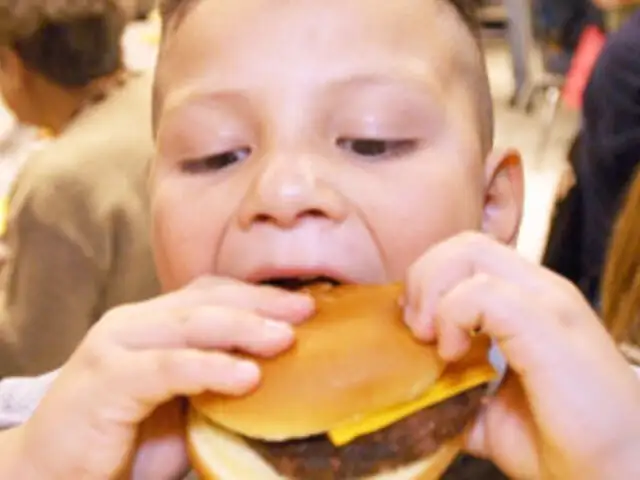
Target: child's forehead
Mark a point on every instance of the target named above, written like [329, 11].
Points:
[430, 21]
[427, 32]
[222, 44]
[464, 8]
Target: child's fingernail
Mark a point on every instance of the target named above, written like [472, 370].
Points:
[274, 330]
[297, 298]
[443, 351]
[427, 332]
[447, 351]
[409, 315]
[419, 324]
[402, 302]
[246, 371]
[300, 305]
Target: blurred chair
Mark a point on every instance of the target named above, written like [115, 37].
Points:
[550, 28]
[558, 27]
[549, 85]
[530, 22]
[512, 19]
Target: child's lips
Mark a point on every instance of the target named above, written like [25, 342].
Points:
[300, 283]
[298, 278]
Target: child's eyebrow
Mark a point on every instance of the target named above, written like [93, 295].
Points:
[202, 93]
[415, 82]
[196, 97]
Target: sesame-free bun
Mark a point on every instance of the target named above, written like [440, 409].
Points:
[219, 455]
[354, 357]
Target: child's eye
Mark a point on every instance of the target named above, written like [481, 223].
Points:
[367, 147]
[215, 162]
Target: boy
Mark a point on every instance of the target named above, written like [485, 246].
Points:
[337, 139]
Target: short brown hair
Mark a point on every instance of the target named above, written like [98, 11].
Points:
[70, 42]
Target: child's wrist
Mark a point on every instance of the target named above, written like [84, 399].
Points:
[23, 460]
[621, 463]
[625, 464]
[14, 459]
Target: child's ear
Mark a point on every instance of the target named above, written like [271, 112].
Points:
[504, 196]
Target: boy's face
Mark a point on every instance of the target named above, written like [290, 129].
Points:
[321, 137]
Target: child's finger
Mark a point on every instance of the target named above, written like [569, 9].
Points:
[213, 291]
[510, 410]
[264, 300]
[130, 386]
[453, 261]
[207, 328]
[161, 375]
[103, 403]
[525, 328]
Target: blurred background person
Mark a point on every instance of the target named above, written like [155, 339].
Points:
[78, 234]
[563, 252]
[605, 156]
[561, 23]
[610, 145]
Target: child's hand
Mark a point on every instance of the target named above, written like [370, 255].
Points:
[140, 358]
[570, 406]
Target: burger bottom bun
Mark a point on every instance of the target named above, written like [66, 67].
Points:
[217, 454]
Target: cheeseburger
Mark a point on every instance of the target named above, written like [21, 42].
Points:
[357, 397]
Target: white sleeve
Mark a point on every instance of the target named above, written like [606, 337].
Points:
[19, 397]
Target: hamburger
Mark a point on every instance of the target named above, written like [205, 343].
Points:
[357, 397]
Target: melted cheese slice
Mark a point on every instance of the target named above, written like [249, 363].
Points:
[452, 383]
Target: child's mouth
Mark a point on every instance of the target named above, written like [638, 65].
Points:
[300, 283]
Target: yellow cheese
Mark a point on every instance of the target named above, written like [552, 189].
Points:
[449, 385]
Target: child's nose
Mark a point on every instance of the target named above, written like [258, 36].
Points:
[286, 192]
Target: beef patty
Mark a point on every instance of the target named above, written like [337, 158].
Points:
[407, 441]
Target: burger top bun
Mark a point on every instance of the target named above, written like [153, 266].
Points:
[354, 357]
[220, 455]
